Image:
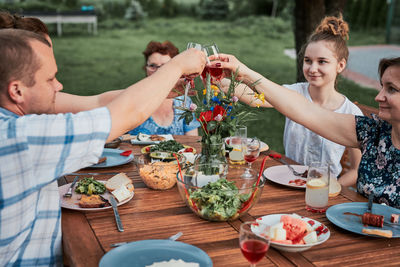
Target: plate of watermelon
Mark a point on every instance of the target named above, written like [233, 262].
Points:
[291, 232]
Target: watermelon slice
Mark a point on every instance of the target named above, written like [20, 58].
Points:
[295, 228]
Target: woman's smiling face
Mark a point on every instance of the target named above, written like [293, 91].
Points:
[389, 96]
[321, 66]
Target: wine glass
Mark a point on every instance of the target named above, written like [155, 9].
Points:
[251, 151]
[189, 83]
[213, 66]
[253, 245]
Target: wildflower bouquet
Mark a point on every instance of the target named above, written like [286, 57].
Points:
[218, 112]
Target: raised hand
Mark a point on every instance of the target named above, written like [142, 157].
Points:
[230, 64]
[191, 61]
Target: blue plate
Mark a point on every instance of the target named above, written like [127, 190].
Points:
[336, 214]
[113, 158]
[146, 252]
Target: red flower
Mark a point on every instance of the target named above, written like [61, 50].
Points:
[218, 110]
[205, 117]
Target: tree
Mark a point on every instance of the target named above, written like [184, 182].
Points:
[308, 14]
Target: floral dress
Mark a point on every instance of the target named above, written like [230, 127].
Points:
[379, 170]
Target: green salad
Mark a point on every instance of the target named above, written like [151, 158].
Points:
[219, 201]
[90, 186]
[170, 146]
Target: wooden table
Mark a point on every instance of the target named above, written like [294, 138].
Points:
[159, 214]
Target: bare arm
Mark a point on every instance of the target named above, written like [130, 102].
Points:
[350, 177]
[339, 128]
[245, 94]
[135, 104]
[193, 132]
[74, 103]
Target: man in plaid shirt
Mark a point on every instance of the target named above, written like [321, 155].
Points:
[36, 148]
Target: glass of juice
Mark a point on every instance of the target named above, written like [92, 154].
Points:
[253, 246]
[236, 155]
[317, 187]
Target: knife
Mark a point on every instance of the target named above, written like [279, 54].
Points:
[116, 214]
[370, 202]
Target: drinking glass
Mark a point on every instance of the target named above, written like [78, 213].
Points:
[317, 187]
[236, 154]
[213, 66]
[253, 246]
[251, 151]
[189, 83]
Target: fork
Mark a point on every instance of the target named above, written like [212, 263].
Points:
[279, 157]
[69, 193]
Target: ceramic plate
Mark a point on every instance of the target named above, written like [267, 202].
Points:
[264, 146]
[134, 140]
[275, 218]
[113, 158]
[282, 175]
[163, 155]
[146, 252]
[337, 215]
[72, 202]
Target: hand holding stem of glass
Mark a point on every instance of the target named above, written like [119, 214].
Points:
[189, 84]
[317, 187]
[253, 246]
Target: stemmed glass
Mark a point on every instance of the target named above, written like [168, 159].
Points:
[213, 66]
[251, 151]
[253, 246]
[189, 83]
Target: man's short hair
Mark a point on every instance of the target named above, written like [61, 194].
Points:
[18, 60]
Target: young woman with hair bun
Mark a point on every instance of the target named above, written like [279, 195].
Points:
[324, 57]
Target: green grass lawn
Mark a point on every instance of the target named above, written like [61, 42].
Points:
[113, 59]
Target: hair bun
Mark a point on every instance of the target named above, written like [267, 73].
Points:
[335, 26]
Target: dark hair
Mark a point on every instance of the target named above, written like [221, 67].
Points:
[386, 63]
[15, 21]
[334, 30]
[164, 48]
[18, 60]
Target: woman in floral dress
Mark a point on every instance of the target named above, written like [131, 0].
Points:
[378, 138]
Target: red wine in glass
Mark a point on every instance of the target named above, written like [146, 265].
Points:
[250, 158]
[254, 250]
[254, 241]
[216, 71]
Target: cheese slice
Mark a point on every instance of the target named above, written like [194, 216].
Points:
[121, 193]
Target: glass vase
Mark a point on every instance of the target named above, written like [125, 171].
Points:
[213, 156]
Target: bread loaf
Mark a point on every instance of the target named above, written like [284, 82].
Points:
[121, 193]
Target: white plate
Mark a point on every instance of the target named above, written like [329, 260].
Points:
[282, 175]
[264, 146]
[275, 218]
[72, 202]
[134, 140]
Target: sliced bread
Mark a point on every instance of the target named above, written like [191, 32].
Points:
[121, 193]
[116, 181]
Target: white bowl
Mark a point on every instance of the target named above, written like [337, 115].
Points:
[275, 218]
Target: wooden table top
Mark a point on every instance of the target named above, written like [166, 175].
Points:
[155, 214]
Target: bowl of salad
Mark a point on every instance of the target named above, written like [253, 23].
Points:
[215, 195]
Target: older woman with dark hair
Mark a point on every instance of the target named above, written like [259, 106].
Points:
[165, 120]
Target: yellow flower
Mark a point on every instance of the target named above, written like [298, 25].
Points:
[204, 91]
[262, 97]
[215, 88]
[215, 93]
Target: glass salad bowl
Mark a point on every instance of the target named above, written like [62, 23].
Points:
[214, 198]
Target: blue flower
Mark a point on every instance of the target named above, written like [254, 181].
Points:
[216, 100]
[212, 108]
[204, 102]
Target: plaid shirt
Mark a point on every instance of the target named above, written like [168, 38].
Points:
[34, 151]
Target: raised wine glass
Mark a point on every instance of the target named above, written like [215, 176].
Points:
[189, 83]
[213, 66]
[251, 151]
[254, 246]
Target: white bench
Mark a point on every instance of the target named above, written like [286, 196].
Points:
[59, 19]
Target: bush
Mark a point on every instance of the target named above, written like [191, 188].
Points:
[169, 8]
[214, 9]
